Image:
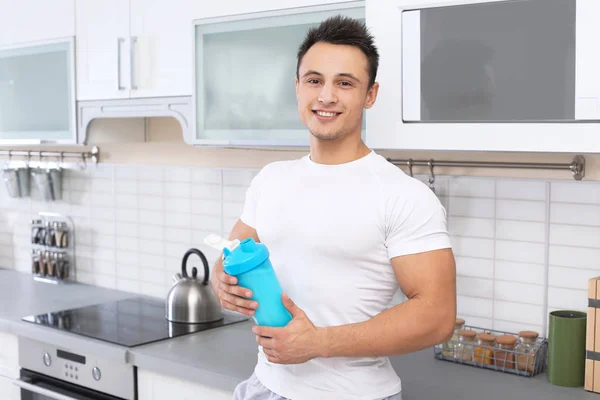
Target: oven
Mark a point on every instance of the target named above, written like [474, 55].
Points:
[52, 373]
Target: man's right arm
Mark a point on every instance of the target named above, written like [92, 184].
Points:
[232, 296]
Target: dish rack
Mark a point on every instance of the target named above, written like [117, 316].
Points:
[512, 362]
[53, 248]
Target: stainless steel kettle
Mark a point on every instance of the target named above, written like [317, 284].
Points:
[191, 300]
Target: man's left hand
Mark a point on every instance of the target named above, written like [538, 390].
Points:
[299, 341]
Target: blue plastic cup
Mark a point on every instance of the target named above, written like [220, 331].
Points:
[250, 264]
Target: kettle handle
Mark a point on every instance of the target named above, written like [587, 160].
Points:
[204, 261]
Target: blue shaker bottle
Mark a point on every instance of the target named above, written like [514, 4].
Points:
[249, 263]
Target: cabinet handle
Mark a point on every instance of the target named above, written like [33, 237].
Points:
[134, 40]
[119, 41]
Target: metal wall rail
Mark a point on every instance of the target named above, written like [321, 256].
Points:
[84, 156]
[577, 166]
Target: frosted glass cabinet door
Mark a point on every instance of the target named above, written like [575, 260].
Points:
[505, 61]
[37, 99]
[244, 77]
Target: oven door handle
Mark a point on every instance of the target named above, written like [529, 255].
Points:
[39, 390]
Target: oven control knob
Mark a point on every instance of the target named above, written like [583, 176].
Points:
[96, 373]
[47, 359]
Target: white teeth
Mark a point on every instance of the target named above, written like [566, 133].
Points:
[326, 114]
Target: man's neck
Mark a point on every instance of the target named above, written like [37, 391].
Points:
[332, 152]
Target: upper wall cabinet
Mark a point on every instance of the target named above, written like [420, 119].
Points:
[245, 66]
[26, 21]
[486, 75]
[37, 93]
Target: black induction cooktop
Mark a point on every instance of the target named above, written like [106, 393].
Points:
[130, 322]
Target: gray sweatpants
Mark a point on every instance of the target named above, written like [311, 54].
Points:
[252, 389]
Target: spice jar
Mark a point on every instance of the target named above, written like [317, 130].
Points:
[464, 348]
[503, 354]
[484, 353]
[526, 350]
[449, 346]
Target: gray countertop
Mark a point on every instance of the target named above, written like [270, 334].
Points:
[223, 357]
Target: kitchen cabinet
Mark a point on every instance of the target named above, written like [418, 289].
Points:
[37, 92]
[26, 21]
[8, 391]
[153, 386]
[486, 75]
[103, 44]
[9, 356]
[245, 64]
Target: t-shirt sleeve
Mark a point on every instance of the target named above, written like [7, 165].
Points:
[415, 223]
[248, 215]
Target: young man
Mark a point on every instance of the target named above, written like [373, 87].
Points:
[344, 228]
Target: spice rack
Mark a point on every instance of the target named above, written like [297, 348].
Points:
[508, 361]
[53, 248]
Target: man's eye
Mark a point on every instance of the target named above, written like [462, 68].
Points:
[313, 81]
[345, 83]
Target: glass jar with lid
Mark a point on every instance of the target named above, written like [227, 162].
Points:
[526, 350]
[463, 350]
[484, 353]
[449, 346]
[504, 354]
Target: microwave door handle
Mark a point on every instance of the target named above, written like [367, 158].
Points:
[39, 390]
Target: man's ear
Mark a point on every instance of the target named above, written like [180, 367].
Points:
[296, 79]
[372, 95]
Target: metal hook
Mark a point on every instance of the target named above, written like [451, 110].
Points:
[28, 157]
[410, 166]
[431, 179]
[83, 162]
[62, 159]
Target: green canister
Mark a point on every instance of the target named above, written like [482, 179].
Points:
[566, 348]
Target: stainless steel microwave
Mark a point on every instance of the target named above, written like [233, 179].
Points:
[500, 61]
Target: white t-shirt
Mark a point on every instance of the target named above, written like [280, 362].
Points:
[331, 231]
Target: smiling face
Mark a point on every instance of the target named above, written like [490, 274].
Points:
[332, 90]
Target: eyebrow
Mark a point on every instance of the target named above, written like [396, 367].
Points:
[343, 74]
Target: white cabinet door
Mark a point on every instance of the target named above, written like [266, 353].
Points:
[8, 391]
[9, 356]
[232, 104]
[161, 34]
[153, 386]
[103, 49]
[37, 93]
[33, 20]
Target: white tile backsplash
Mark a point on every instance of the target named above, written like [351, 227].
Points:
[512, 271]
[473, 247]
[575, 192]
[569, 299]
[521, 190]
[573, 235]
[134, 224]
[519, 292]
[520, 251]
[472, 187]
[474, 267]
[521, 210]
[473, 227]
[570, 278]
[471, 207]
[575, 214]
[576, 257]
[520, 230]
[475, 287]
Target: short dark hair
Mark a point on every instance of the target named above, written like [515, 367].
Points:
[345, 31]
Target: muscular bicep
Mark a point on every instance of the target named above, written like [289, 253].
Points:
[242, 231]
[430, 275]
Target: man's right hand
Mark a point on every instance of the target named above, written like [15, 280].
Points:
[232, 296]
